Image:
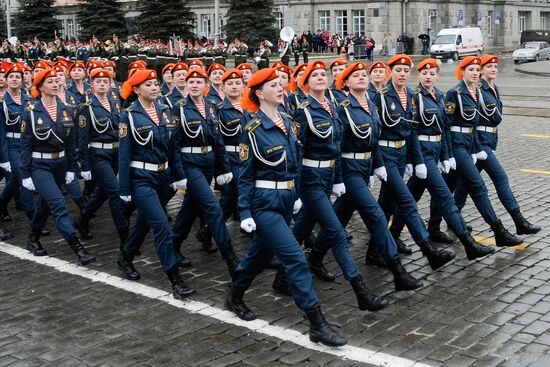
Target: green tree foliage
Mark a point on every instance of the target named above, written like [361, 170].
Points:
[101, 18]
[251, 20]
[161, 19]
[37, 18]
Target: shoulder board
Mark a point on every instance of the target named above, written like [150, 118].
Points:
[303, 105]
[87, 103]
[417, 91]
[253, 125]
[129, 109]
[286, 115]
[2, 99]
[88, 91]
[168, 94]
[294, 92]
[479, 85]
[30, 107]
[345, 103]
[162, 105]
[383, 90]
[457, 89]
[182, 102]
[220, 105]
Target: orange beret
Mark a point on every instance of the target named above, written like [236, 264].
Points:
[349, 70]
[468, 60]
[168, 67]
[196, 73]
[400, 59]
[109, 63]
[138, 64]
[215, 66]
[40, 65]
[94, 65]
[178, 66]
[139, 76]
[77, 64]
[297, 69]
[377, 65]
[14, 69]
[100, 73]
[232, 74]
[337, 62]
[196, 62]
[276, 64]
[262, 76]
[59, 69]
[39, 79]
[244, 66]
[489, 59]
[283, 68]
[427, 64]
[309, 69]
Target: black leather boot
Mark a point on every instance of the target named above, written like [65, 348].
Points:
[321, 332]
[374, 257]
[83, 226]
[473, 248]
[123, 236]
[366, 300]
[279, 283]
[436, 235]
[522, 225]
[274, 263]
[401, 247]
[401, 278]
[205, 238]
[503, 238]
[234, 302]
[5, 234]
[315, 261]
[180, 290]
[309, 242]
[82, 254]
[231, 259]
[125, 263]
[436, 258]
[80, 203]
[4, 215]
[181, 260]
[34, 245]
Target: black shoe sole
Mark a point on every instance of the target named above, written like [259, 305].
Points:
[86, 262]
[328, 344]
[126, 276]
[35, 253]
[183, 296]
[229, 308]
[534, 231]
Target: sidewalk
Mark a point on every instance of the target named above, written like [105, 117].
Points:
[540, 68]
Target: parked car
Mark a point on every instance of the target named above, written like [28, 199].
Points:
[532, 51]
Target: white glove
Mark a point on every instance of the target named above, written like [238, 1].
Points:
[481, 156]
[126, 199]
[69, 177]
[474, 158]
[297, 206]
[421, 171]
[28, 184]
[6, 166]
[338, 189]
[409, 170]
[371, 183]
[452, 162]
[248, 225]
[224, 179]
[86, 175]
[446, 166]
[181, 184]
[381, 173]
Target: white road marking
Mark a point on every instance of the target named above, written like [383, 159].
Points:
[358, 354]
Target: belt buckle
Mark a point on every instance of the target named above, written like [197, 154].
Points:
[115, 144]
[470, 129]
[438, 138]
[367, 155]
[161, 167]
[204, 150]
[331, 164]
[399, 143]
[55, 155]
[290, 185]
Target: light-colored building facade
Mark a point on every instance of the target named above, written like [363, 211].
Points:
[501, 21]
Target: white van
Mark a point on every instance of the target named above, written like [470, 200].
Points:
[454, 43]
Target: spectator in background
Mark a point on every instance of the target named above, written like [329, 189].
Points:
[369, 46]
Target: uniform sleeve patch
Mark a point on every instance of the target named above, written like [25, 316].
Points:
[23, 126]
[122, 130]
[296, 127]
[82, 121]
[450, 108]
[244, 151]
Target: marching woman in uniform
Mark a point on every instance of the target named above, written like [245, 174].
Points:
[399, 146]
[215, 74]
[319, 129]
[145, 157]
[296, 93]
[462, 105]
[48, 160]
[360, 153]
[202, 155]
[178, 91]
[269, 153]
[491, 115]
[283, 72]
[77, 86]
[98, 153]
[378, 72]
[432, 131]
[246, 69]
[337, 67]
[167, 82]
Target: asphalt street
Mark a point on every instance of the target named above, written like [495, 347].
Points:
[491, 312]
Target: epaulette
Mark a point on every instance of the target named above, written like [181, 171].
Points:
[220, 105]
[182, 102]
[129, 109]
[479, 85]
[87, 91]
[345, 103]
[303, 105]
[253, 125]
[30, 108]
[383, 90]
[286, 115]
[87, 103]
[2, 99]
[457, 89]
[162, 105]
[294, 92]
[417, 91]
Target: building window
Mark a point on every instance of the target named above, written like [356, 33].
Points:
[522, 21]
[432, 23]
[205, 25]
[342, 22]
[543, 23]
[279, 20]
[490, 23]
[324, 20]
[358, 19]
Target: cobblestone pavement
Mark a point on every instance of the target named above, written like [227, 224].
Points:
[493, 312]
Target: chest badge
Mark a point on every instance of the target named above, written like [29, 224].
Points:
[392, 106]
[39, 122]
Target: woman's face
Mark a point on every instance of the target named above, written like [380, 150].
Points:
[148, 90]
[283, 77]
[378, 75]
[428, 77]
[233, 88]
[318, 80]
[61, 77]
[471, 73]
[50, 87]
[15, 80]
[3, 81]
[77, 73]
[247, 74]
[101, 85]
[27, 77]
[216, 77]
[358, 81]
[196, 86]
[271, 93]
[178, 78]
[337, 70]
[490, 70]
[400, 75]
